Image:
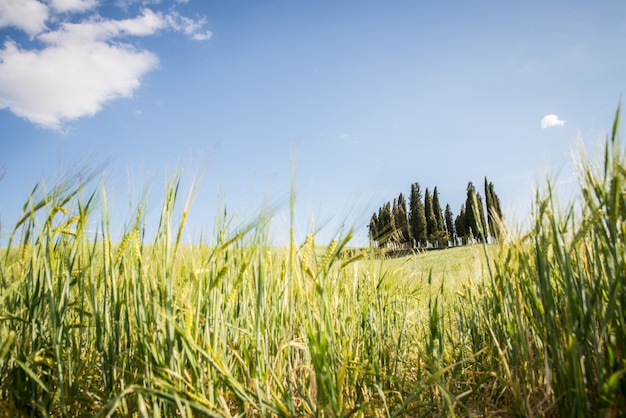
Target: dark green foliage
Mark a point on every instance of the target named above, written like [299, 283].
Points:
[437, 211]
[481, 213]
[390, 228]
[470, 211]
[373, 228]
[403, 237]
[425, 222]
[460, 224]
[431, 219]
[417, 217]
[489, 205]
[474, 214]
[494, 211]
[395, 232]
[449, 223]
[385, 225]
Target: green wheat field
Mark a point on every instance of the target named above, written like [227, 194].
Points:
[533, 326]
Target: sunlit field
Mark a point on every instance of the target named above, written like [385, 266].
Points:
[533, 326]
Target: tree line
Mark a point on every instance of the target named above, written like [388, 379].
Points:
[422, 223]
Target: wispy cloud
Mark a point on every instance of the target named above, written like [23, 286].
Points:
[190, 27]
[551, 120]
[73, 67]
[73, 5]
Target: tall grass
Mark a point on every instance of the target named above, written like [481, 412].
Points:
[556, 304]
[232, 326]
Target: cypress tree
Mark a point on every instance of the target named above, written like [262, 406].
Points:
[450, 224]
[401, 221]
[386, 229]
[496, 202]
[474, 216]
[490, 209]
[441, 227]
[395, 238]
[417, 217]
[373, 228]
[460, 224]
[481, 214]
[470, 215]
[389, 222]
[379, 225]
[431, 220]
[494, 211]
[382, 226]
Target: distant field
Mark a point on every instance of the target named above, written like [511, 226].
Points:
[456, 264]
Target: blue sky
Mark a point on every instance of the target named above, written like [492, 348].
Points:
[369, 97]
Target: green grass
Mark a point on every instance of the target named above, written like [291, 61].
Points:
[235, 327]
[556, 305]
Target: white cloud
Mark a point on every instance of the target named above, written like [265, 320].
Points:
[188, 26]
[72, 5]
[101, 30]
[63, 83]
[83, 64]
[27, 15]
[551, 120]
